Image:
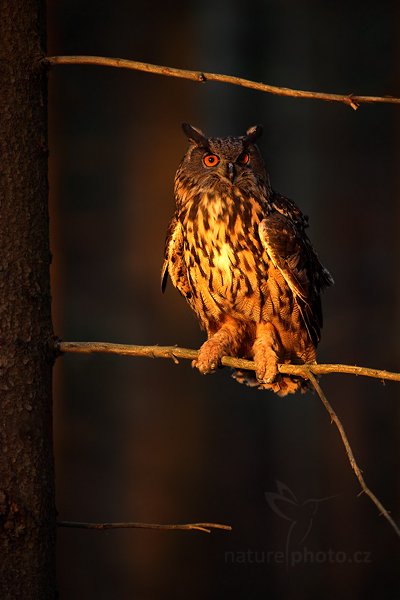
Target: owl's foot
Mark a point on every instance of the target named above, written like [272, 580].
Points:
[209, 357]
[266, 359]
[223, 342]
[269, 378]
[265, 354]
[284, 385]
[266, 368]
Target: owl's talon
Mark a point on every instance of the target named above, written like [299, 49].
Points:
[267, 380]
[205, 367]
[209, 357]
[267, 373]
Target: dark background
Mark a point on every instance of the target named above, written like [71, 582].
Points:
[142, 440]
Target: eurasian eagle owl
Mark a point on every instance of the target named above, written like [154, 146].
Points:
[239, 253]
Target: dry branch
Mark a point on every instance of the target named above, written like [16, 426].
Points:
[335, 419]
[201, 77]
[204, 527]
[175, 353]
[308, 371]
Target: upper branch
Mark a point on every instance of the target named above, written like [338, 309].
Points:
[308, 371]
[201, 77]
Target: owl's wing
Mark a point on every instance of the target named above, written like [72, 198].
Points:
[282, 233]
[174, 263]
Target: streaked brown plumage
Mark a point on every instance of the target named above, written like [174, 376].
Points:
[238, 252]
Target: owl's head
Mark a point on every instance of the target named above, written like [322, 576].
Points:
[227, 162]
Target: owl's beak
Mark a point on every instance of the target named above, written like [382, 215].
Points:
[231, 171]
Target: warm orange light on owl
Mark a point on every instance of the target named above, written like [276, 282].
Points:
[239, 253]
[211, 160]
[244, 158]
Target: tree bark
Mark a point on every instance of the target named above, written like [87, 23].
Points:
[27, 510]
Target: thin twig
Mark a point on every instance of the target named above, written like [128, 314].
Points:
[335, 419]
[200, 76]
[175, 353]
[205, 527]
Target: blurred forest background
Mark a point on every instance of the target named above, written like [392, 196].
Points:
[142, 440]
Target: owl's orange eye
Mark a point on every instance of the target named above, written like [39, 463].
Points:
[211, 160]
[244, 158]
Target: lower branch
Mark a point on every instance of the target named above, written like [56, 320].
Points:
[308, 371]
[205, 527]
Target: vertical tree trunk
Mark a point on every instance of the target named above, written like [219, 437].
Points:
[27, 513]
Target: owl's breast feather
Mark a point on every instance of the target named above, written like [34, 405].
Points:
[224, 256]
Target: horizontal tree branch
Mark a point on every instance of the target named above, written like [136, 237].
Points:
[204, 527]
[201, 77]
[175, 353]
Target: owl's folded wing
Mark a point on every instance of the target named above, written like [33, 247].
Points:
[291, 252]
[174, 263]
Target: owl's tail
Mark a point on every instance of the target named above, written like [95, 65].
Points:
[283, 384]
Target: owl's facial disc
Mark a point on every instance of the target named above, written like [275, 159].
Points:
[211, 160]
[229, 161]
[228, 165]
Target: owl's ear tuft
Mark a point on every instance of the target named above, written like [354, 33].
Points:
[253, 133]
[194, 135]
